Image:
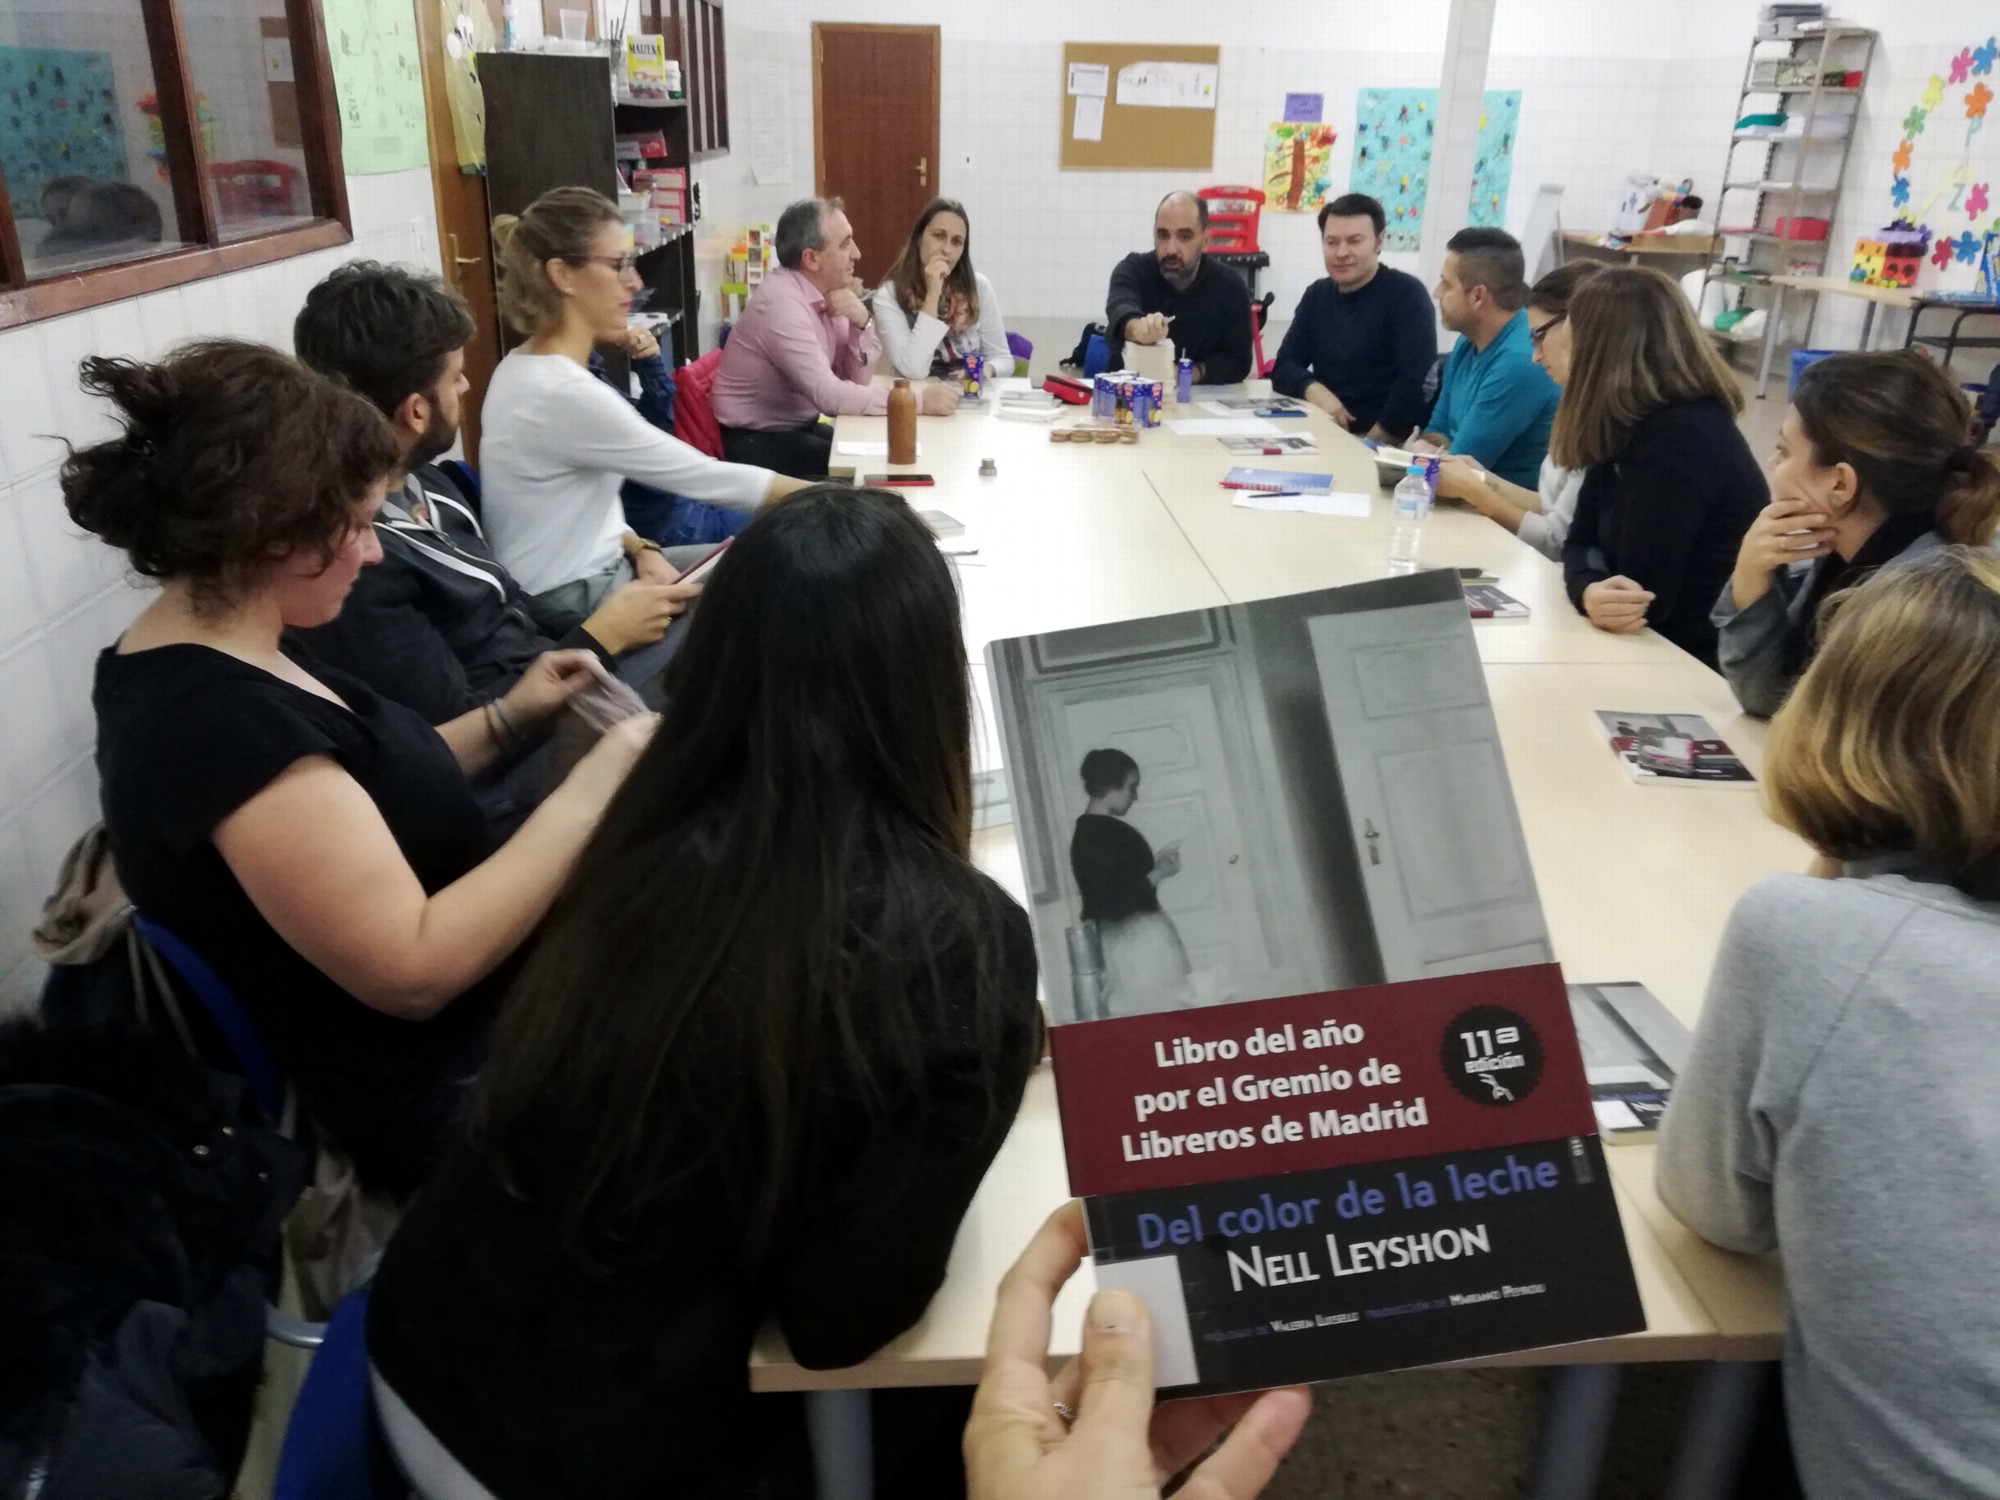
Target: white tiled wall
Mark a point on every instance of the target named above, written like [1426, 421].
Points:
[1607, 89]
[64, 595]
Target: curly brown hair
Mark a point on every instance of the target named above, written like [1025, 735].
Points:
[232, 456]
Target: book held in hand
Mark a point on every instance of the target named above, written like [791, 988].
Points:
[1633, 1050]
[1319, 1082]
[1658, 748]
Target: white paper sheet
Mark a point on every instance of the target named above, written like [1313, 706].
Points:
[1221, 427]
[854, 448]
[1089, 124]
[1615, 1114]
[1167, 85]
[770, 125]
[1349, 504]
[1090, 78]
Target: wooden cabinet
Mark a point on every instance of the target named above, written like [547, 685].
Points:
[551, 122]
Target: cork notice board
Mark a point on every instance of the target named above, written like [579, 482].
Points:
[1138, 138]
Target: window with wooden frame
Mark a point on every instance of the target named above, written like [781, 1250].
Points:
[149, 143]
[694, 33]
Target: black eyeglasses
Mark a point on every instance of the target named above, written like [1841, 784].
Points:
[1537, 335]
[619, 263]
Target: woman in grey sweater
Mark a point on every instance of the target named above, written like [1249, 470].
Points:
[1874, 467]
[1839, 1103]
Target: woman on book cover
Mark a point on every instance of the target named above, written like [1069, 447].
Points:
[1119, 876]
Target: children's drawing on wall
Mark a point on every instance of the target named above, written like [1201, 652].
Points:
[1394, 132]
[1945, 175]
[58, 120]
[1298, 167]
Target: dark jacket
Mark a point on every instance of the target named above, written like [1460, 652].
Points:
[1669, 513]
[1373, 348]
[143, 1196]
[438, 625]
[1211, 318]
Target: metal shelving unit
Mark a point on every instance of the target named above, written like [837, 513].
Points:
[1786, 176]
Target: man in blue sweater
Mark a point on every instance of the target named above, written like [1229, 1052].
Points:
[1495, 404]
[1363, 341]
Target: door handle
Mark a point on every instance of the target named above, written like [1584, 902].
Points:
[1374, 837]
[456, 258]
[923, 171]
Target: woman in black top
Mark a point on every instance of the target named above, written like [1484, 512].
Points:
[1875, 467]
[1649, 411]
[1118, 875]
[314, 842]
[774, 1101]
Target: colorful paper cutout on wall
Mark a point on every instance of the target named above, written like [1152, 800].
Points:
[1298, 167]
[1393, 130]
[1936, 186]
[58, 118]
[378, 77]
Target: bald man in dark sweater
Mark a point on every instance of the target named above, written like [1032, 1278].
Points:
[1178, 294]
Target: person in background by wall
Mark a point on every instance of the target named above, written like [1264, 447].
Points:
[1363, 340]
[315, 842]
[1541, 516]
[1838, 1106]
[1118, 1446]
[558, 443]
[776, 1106]
[439, 625]
[1494, 404]
[1118, 875]
[804, 348]
[935, 309]
[1176, 294]
[1650, 411]
[1874, 467]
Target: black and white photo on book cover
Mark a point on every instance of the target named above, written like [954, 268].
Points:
[1671, 748]
[1288, 796]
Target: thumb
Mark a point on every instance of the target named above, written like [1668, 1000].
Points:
[1116, 1364]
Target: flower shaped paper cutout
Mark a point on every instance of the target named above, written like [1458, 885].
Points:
[1941, 254]
[1913, 122]
[1934, 92]
[1983, 59]
[1976, 200]
[1901, 160]
[1965, 247]
[1899, 191]
[1976, 102]
[1961, 65]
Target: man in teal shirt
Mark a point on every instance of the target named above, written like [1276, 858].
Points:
[1495, 404]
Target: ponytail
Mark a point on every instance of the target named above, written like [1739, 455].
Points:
[559, 225]
[1969, 510]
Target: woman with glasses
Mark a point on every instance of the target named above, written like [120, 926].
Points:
[1541, 516]
[559, 443]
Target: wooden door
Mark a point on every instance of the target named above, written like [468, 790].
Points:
[875, 131]
[1443, 858]
[465, 231]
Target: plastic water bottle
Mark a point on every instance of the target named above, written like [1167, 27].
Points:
[1406, 519]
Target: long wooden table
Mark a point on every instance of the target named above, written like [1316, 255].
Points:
[1636, 880]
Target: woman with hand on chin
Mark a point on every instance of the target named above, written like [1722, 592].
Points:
[316, 843]
[1541, 516]
[935, 309]
[1875, 467]
[557, 443]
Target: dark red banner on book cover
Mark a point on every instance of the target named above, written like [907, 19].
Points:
[1306, 1082]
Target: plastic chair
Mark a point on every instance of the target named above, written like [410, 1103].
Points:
[253, 1058]
[1022, 349]
[334, 1448]
[462, 474]
[694, 406]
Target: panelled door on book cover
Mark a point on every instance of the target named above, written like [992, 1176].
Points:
[1317, 1074]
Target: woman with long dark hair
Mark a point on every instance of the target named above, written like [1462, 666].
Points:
[774, 1033]
[1649, 413]
[934, 309]
[1875, 466]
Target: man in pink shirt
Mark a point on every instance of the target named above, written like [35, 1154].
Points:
[804, 348]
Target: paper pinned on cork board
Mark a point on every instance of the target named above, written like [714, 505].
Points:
[1089, 124]
[1093, 79]
[1167, 85]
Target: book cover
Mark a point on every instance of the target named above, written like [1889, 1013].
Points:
[1633, 1050]
[1488, 602]
[1319, 1083]
[1669, 748]
[1284, 444]
[1245, 478]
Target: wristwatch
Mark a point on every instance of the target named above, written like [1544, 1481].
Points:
[633, 544]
